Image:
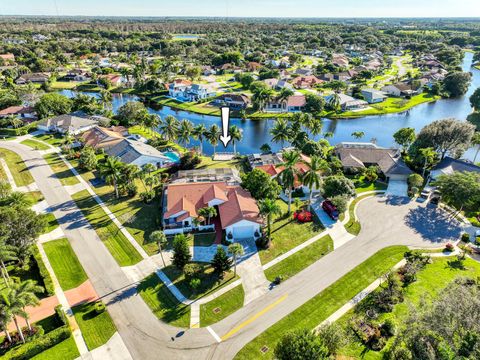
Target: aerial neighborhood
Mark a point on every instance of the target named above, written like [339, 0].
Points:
[334, 214]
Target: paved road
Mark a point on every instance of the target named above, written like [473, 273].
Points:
[383, 224]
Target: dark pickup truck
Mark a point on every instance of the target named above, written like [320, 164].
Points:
[330, 209]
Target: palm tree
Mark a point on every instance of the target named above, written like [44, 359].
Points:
[312, 177]
[5, 318]
[185, 131]
[19, 199]
[236, 135]
[25, 291]
[106, 98]
[198, 133]
[289, 173]
[212, 135]
[315, 126]
[159, 237]
[428, 155]
[284, 94]
[358, 134]
[476, 142]
[328, 135]
[207, 212]
[111, 170]
[130, 172]
[334, 102]
[154, 120]
[7, 253]
[169, 128]
[236, 250]
[14, 121]
[280, 131]
[13, 305]
[268, 208]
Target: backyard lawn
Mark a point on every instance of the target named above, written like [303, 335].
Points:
[20, 173]
[96, 329]
[295, 263]
[287, 234]
[430, 281]
[222, 306]
[66, 266]
[163, 304]
[61, 170]
[37, 145]
[209, 281]
[320, 307]
[118, 245]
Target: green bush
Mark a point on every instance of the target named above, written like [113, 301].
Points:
[61, 315]
[47, 280]
[30, 349]
[465, 237]
[99, 307]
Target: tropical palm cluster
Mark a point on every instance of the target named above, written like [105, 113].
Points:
[19, 229]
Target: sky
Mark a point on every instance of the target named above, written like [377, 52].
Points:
[245, 8]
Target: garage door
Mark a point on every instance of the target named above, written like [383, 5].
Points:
[240, 232]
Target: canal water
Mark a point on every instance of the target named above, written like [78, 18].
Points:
[381, 127]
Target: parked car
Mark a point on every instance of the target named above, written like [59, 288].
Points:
[330, 209]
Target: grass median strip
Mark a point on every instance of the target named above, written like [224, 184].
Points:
[295, 263]
[162, 302]
[68, 269]
[37, 145]
[118, 245]
[97, 328]
[353, 225]
[61, 170]
[17, 167]
[320, 307]
[222, 306]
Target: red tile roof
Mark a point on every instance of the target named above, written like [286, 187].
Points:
[240, 206]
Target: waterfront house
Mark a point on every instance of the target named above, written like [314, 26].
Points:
[401, 89]
[233, 101]
[178, 88]
[373, 96]
[103, 138]
[294, 103]
[138, 153]
[357, 156]
[348, 103]
[450, 165]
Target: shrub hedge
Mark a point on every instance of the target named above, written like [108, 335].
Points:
[47, 280]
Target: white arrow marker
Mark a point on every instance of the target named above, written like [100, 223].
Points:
[225, 137]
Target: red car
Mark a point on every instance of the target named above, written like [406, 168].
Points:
[330, 209]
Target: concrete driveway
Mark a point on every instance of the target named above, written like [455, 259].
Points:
[397, 220]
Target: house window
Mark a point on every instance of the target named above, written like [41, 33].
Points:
[186, 223]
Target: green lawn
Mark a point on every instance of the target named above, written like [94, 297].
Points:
[430, 281]
[37, 145]
[295, 263]
[138, 218]
[20, 173]
[52, 222]
[34, 197]
[68, 269]
[163, 304]
[66, 350]
[96, 329]
[320, 307]
[209, 281]
[353, 225]
[222, 306]
[52, 139]
[118, 245]
[362, 185]
[61, 170]
[287, 234]
[391, 105]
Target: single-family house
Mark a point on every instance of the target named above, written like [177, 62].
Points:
[178, 88]
[115, 79]
[294, 103]
[234, 101]
[70, 124]
[306, 82]
[103, 138]
[401, 89]
[138, 153]
[257, 160]
[8, 58]
[304, 71]
[238, 213]
[348, 103]
[373, 96]
[341, 60]
[77, 75]
[25, 113]
[356, 156]
[197, 92]
[40, 78]
[229, 175]
[271, 83]
[253, 66]
[450, 165]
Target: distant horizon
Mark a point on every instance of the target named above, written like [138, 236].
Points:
[282, 9]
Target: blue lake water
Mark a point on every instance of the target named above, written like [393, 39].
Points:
[382, 127]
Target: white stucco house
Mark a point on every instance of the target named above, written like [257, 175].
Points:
[138, 153]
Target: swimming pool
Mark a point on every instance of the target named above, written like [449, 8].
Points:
[172, 155]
